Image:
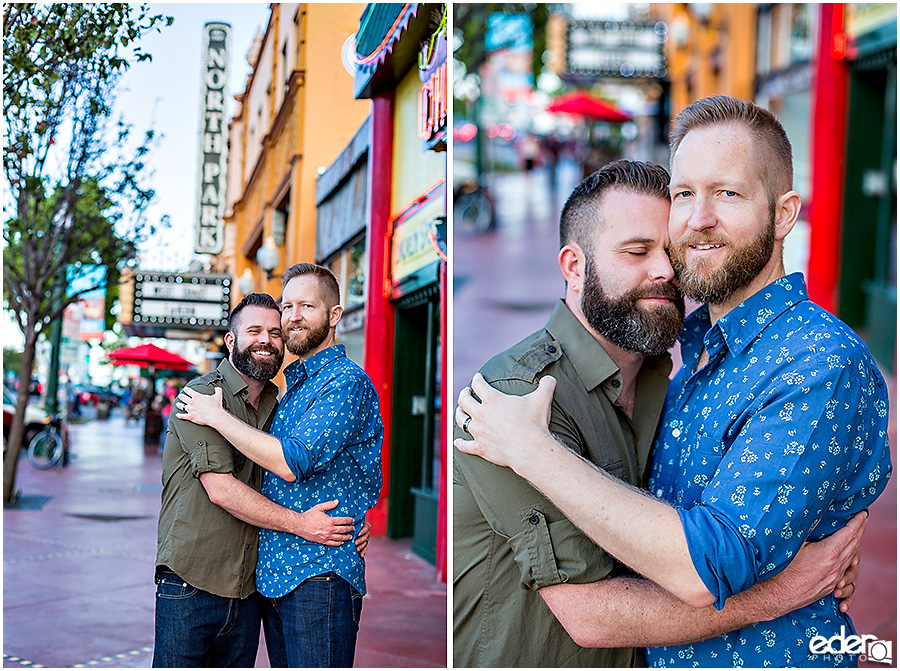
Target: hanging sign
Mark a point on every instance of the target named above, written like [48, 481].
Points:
[213, 139]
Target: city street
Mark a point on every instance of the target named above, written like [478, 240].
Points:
[79, 553]
[506, 283]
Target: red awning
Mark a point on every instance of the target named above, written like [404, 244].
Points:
[147, 355]
[588, 106]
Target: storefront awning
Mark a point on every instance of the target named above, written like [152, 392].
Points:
[387, 44]
[379, 28]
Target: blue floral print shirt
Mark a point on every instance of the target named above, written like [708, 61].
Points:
[331, 433]
[780, 438]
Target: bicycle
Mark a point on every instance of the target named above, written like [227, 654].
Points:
[50, 447]
[473, 209]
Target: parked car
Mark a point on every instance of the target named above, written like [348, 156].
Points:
[94, 394]
[35, 417]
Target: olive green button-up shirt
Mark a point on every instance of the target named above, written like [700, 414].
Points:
[200, 541]
[508, 540]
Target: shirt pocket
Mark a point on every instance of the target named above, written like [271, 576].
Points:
[702, 463]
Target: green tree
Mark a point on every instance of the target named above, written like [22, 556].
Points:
[12, 361]
[470, 22]
[470, 27]
[75, 191]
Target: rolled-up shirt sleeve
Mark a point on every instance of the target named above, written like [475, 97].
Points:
[547, 548]
[206, 448]
[799, 467]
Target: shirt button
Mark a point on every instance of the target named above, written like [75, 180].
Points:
[534, 519]
[615, 383]
[676, 433]
[659, 493]
[551, 349]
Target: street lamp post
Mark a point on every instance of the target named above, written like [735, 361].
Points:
[268, 257]
[246, 283]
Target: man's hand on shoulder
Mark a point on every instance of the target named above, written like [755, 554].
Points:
[199, 408]
[504, 428]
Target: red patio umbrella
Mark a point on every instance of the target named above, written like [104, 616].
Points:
[588, 106]
[149, 355]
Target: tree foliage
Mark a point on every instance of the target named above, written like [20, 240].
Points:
[470, 27]
[12, 361]
[75, 191]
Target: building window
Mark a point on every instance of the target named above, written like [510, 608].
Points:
[284, 65]
[349, 267]
[802, 29]
[764, 41]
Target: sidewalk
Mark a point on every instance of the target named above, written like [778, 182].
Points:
[79, 556]
[506, 283]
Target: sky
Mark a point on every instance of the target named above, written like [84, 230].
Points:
[164, 94]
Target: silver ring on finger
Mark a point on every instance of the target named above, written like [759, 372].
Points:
[465, 425]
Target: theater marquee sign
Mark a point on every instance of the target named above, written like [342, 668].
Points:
[213, 138]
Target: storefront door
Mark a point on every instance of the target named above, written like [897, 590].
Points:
[415, 433]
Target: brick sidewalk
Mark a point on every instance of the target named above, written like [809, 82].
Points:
[78, 570]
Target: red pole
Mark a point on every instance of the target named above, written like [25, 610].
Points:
[445, 418]
[829, 141]
[379, 327]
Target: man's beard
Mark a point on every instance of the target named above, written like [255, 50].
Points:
[742, 265]
[257, 369]
[303, 345]
[622, 322]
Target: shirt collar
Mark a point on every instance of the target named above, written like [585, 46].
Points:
[313, 364]
[238, 385]
[232, 378]
[747, 321]
[588, 357]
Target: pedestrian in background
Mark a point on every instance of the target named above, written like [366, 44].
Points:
[170, 391]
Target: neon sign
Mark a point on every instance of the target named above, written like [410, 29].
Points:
[433, 107]
[432, 118]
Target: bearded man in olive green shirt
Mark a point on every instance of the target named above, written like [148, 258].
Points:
[528, 587]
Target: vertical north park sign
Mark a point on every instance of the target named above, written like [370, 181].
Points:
[213, 138]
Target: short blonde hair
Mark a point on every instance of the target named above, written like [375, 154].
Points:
[774, 162]
[328, 284]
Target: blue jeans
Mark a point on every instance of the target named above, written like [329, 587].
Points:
[198, 629]
[315, 625]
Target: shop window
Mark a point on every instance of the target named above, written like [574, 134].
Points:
[349, 267]
[764, 41]
[802, 29]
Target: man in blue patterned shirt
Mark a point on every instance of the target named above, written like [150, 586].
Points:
[774, 431]
[325, 443]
